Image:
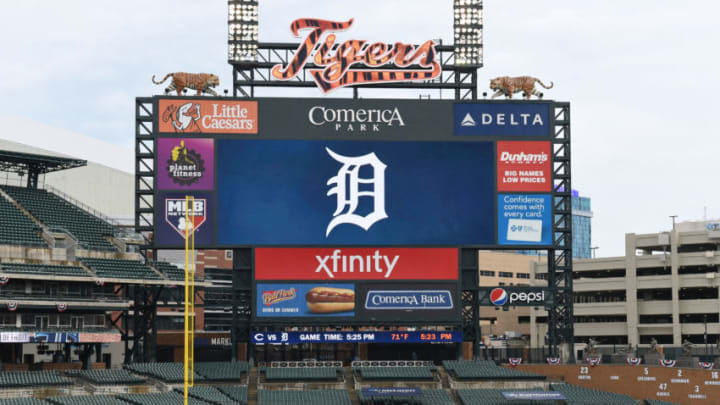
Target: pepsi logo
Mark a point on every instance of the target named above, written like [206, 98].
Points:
[498, 296]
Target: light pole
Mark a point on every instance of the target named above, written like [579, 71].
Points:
[705, 335]
[673, 220]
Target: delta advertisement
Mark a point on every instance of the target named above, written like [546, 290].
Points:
[503, 119]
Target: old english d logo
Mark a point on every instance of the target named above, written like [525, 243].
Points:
[175, 214]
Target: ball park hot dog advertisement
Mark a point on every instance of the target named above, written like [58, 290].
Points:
[357, 285]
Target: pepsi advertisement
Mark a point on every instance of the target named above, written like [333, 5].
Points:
[502, 119]
[362, 193]
[408, 302]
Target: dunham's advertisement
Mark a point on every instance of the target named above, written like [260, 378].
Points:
[192, 116]
[305, 300]
[524, 219]
[524, 166]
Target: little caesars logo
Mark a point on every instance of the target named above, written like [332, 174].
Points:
[355, 119]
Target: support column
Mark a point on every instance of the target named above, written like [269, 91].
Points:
[631, 306]
[675, 277]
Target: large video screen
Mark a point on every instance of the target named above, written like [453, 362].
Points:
[343, 172]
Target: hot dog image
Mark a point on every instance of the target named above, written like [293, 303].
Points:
[324, 300]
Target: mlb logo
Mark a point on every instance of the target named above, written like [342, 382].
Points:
[175, 214]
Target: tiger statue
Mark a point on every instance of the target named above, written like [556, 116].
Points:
[507, 86]
[202, 82]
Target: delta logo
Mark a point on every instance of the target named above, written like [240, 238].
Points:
[274, 296]
[498, 297]
[207, 116]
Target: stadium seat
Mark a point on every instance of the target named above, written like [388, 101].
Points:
[43, 269]
[55, 212]
[166, 398]
[394, 373]
[167, 372]
[171, 271]
[586, 396]
[236, 392]
[15, 379]
[16, 228]
[494, 397]
[212, 395]
[24, 401]
[87, 400]
[107, 377]
[485, 370]
[302, 374]
[221, 371]
[428, 397]
[116, 268]
[314, 397]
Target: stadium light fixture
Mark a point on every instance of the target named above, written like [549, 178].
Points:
[242, 31]
[468, 32]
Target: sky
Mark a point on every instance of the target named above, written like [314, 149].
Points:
[641, 77]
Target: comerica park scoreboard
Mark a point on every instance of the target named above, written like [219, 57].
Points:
[355, 208]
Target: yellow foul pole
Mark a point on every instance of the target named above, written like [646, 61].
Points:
[189, 332]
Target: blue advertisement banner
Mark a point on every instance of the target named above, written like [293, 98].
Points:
[305, 300]
[392, 392]
[360, 193]
[502, 119]
[171, 223]
[534, 395]
[293, 338]
[524, 219]
[394, 299]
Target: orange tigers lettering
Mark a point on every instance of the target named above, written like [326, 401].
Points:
[336, 65]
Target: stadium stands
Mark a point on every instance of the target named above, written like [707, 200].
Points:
[221, 371]
[395, 373]
[494, 397]
[301, 374]
[16, 228]
[212, 395]
[428, 397]
[586, 396]
[658, 402]
[43, 269]
[485, 370]
[87, 400]
[54, 211]
[107, 377]
[14, 379]
[238, 393]
[167, 372]
[314, 397]
[166, 398]
[171, 271]
[116, 268]
[24, 401]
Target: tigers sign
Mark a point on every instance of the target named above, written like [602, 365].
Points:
[334, 65]
[207, 116]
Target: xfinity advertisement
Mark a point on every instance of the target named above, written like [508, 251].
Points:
[408, 302]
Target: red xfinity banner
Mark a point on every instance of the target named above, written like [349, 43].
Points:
[356, 264]
[523, 166]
